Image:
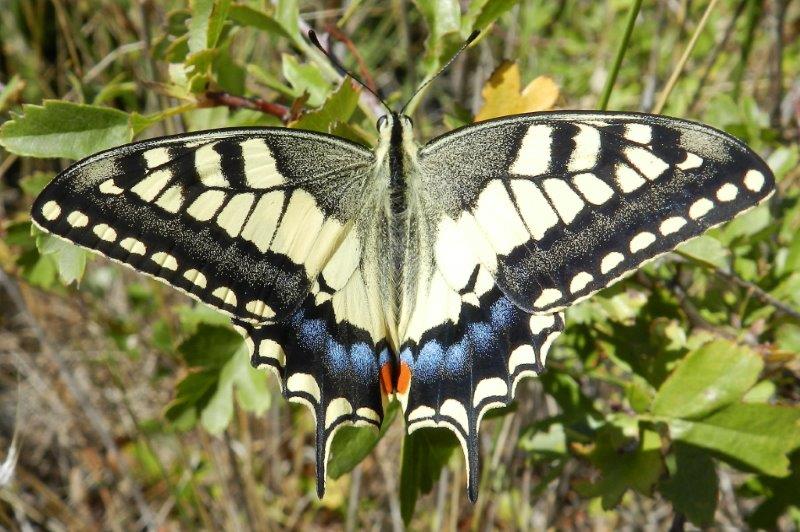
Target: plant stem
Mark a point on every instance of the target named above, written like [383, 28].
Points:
[623, 47]
[673, 78]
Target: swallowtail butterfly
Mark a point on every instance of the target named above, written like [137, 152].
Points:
[437, 273]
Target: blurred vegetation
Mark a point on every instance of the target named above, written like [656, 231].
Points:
[671, 400]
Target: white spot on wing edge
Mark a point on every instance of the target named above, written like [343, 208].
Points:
[642, 241]
[225, 294]
[754, 180]
[611, 261]
[587, 149]
[523, 354]
[105, 232]
[165, 260]
[456, 411]
[547, 297]
[133, 246]
[156, 157]
[304, 382]
[51, 210]
[727, 192]
[700, 208]
[671, 225]
[491, 387]
[540, 322]
[421, 412]
[337, 408]
[260, 308]
[77, 219]
[579, 281]
[195, 277]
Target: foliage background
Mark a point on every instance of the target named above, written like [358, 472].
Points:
[671, 400]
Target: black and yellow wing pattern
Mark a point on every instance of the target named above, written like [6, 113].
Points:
[529, 214]
[438, 274]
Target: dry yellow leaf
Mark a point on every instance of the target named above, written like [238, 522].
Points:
[502, 95]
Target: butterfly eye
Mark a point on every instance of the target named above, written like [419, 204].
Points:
[381, 122]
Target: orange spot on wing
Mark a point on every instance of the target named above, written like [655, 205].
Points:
[386, 378]
[404, 378]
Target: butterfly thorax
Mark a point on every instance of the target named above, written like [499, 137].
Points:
[396, 159]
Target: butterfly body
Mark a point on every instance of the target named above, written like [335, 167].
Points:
[435, 273]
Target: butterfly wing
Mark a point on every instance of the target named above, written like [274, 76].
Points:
[260, 224]
[529, 214]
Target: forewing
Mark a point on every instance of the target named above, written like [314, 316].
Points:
[560, 205]
[258, 223]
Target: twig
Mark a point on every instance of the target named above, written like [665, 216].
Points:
[673, 79]
[214, 98]
[716, 54]
[621, 49]
[757, 291]
[363, 70]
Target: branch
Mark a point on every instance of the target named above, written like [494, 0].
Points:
[757, 291]
[216, 98]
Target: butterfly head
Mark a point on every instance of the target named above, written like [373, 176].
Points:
[395, 128]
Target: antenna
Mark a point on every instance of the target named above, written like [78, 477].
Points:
[470, 39]
[312, 36]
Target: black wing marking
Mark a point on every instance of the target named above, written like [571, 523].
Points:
[261, 224]
[560, 205]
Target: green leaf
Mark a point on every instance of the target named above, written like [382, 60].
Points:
[338, 107]
[624, 464]
[706, 249]
[34, 183]
[219, 364]
[709, 378]
[755, 435]
[491, 11]
[352, 444]
[425, 452]
[782, 494]
[70, 260]
[206, 23]
[305, 78]
[547, 437]
[247, 16]
[441, 17]
[692, 485]
[287, 14]
[63, 129]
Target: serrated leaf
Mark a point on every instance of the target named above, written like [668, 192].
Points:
[70, 260]
[502, 95]
[338, 107]
[693, 484]
[709, 378]
[425, 452]
[352, 444]
[63, 129]
[706, 249]
[751, 434]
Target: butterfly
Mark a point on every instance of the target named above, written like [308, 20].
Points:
[436, 273]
